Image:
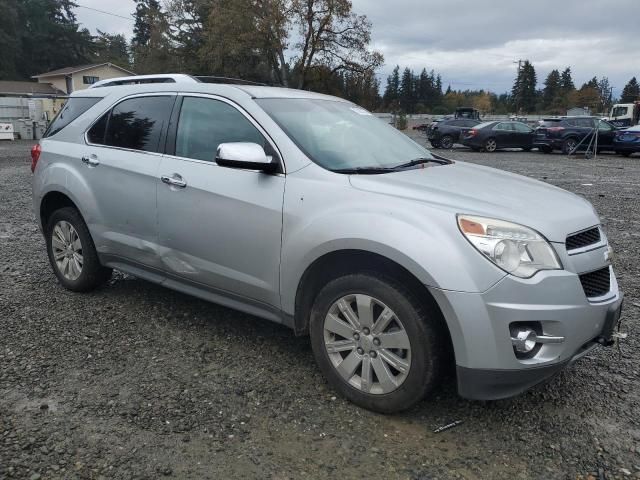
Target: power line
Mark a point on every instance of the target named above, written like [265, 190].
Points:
[107, 13]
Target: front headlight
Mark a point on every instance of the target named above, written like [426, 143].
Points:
[514, 248]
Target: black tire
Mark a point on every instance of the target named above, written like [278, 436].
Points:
[92, 273]
[545, 149]
[475, 149]
[421, 324]
[526, 149]
[435, 144]
[490, 145]
[569, 145]
[625, 154]
[446, 142]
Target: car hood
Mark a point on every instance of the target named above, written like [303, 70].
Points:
[474, 189]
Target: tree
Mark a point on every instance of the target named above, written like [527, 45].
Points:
[111, 48]
[524, 88]
[151, 42]
[331, 35]
[566, 81]
[406, 90]
[630, 92]
[41, 35]
[588, 95]
[605, 92]
[392, 90]
[551, 91]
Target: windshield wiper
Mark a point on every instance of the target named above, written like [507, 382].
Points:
[365, 170]
[422, 160]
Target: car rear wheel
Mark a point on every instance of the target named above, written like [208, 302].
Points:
[490, 145]
[569, 146]
[375, 343]
[446, 142]
[72, 253]
[435, 144]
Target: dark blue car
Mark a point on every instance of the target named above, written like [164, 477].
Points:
[627, 141]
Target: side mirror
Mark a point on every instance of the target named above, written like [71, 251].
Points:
[245, 155]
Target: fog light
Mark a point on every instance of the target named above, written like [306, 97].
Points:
[525, 340]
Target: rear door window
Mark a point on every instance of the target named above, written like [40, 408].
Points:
[139, 123]
[71, 110]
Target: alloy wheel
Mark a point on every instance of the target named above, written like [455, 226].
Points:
[367, 344]
[490, 145]
[446, 142]
[67, 250]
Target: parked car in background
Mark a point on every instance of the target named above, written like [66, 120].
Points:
[491, 136]
[570, 134]
[627, 141]
[444, 133]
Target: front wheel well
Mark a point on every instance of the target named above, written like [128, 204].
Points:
[343, 262]
[51, 202]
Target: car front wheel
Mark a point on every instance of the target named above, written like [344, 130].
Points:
[375, 343]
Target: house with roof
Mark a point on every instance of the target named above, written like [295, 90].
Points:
[71, 79]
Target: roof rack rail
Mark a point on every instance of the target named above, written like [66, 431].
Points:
[138, 79]
[236, 81]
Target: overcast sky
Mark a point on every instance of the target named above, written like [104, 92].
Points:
[473, 43]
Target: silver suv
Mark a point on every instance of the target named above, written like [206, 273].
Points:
[308, 211]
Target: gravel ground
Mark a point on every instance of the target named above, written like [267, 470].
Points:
[136, 381]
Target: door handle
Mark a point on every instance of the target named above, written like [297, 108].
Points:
[90, 160]
[175, 180]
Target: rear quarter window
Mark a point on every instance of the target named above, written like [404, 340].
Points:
[71, 110]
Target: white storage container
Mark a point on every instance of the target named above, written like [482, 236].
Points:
[6, 131]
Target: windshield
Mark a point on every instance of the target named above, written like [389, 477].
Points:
[339, 136]
[619, 111]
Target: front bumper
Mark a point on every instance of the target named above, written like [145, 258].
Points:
[479, 326]
[493, 384]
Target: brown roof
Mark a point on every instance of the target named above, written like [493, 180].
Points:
[28, 88]
[79, 68]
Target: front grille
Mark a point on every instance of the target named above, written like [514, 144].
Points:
[596, 284]
[583, 239]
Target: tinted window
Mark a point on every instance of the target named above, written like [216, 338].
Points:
[204, 124]
[471, 123]
[521, 127]
[549, 123]
[483, 125]
[584, 122]
[74, 107]
[605, 127]
[96, 133]
[504, 126]
[138, 123]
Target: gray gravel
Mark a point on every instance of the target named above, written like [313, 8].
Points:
[136, 381]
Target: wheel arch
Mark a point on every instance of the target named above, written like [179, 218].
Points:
[52, 201]
[334, 264]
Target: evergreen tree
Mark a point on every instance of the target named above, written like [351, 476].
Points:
[630, 92]
[392, 89]
[111, 48]
[406, 90]
[151, 43]
[524, 88]
[566, 81]
[551, 90]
